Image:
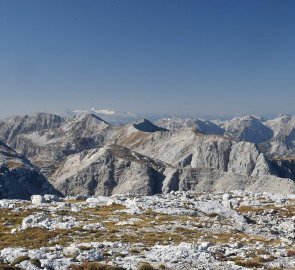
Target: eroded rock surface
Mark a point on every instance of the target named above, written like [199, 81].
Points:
[19, 179]
[178, 230]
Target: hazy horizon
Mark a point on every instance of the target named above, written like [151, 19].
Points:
[227, 58]
[126, 117]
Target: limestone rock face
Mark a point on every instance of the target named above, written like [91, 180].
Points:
[212, 180]
[285, 167]
[18, 178]
[212, 154]
[107, 171]
[171, 181]
[188, 148]
[246, 159]
[118, 170]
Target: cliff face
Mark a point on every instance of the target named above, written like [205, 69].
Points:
[107, 171]
[187, 148]
[18, 178]
[285, 167]
[117, 170]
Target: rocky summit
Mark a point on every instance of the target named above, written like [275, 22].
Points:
[80, 193]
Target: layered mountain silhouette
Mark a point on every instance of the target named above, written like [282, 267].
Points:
[85, 154]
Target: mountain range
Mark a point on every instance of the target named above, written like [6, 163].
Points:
[86, 154]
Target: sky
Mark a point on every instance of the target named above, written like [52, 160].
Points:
[232, 57]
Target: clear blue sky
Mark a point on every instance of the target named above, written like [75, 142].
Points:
[159, 56]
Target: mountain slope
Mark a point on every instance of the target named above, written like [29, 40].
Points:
[117, 170]
[203, 126]
[109, 170]
[47, 145]
[248, 128]
[18, 178]
[186, 147]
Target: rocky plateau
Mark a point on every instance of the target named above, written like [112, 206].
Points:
[178, 230]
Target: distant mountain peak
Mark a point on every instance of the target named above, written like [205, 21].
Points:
[89, 116]
[147, 126]
[109, 116]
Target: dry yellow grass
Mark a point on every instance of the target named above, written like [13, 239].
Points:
[252, 263]
[13, 164]
[95, 266]
[150, 228]
[291, 253]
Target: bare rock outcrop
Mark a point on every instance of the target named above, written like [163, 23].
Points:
[109, 170]
[18, 178]
[118, 170]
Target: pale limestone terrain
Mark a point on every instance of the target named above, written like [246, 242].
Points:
[179, 230]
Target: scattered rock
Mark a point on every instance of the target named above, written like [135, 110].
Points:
[42, 220]
[37, 199]
[215, 235]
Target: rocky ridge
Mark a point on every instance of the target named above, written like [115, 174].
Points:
[275, 137]
[203, 126]
[85, 154]
[118, 170]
